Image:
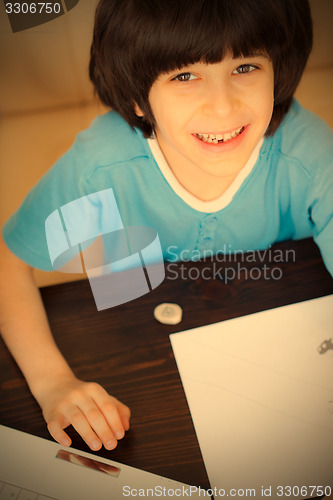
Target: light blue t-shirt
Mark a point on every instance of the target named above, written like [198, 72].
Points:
[287, 195]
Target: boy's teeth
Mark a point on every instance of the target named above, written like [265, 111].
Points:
[211, 138]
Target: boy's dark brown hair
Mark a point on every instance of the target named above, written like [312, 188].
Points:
[137, 40]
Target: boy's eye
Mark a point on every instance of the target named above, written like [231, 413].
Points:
[184, 77]
[244, 68]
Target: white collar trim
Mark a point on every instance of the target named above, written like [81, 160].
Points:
[191, 200]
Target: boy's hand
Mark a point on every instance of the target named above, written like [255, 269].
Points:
[98, 417]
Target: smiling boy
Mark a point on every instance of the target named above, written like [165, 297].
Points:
[205, 144]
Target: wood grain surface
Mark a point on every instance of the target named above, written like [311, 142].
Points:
[128, 352]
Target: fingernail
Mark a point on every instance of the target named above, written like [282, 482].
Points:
[119, 434]
[95, 445]
[111, 444]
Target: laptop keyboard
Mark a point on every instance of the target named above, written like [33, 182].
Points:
[12, 492]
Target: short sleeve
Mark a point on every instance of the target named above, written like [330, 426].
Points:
[61, 215]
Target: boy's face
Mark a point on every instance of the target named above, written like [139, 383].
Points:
[209, 117]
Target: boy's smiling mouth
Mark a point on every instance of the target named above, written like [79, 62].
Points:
[220, 138]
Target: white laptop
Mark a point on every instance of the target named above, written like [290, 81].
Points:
[260, 392]
[32, 468]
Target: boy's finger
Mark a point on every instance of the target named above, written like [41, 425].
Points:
[125, 420]
[57, 432]
[111, 414]
[82, 427]
[124, 409]
[125, 415]
[100, 424]
[112, 409]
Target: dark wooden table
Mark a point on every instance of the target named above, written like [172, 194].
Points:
[128, 352]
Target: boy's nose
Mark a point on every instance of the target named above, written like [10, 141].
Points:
[220, 99]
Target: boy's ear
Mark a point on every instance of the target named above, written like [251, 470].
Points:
[138, 111]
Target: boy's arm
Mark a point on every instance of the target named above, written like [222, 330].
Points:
[98, 417]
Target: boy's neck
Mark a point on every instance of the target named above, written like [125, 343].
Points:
[199, 183]
[204, 187]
